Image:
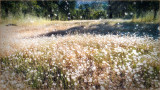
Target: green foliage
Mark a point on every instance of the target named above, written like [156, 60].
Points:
[66, 10]
[146, 17]
[25, 20]
[123, 9]
[99, 14]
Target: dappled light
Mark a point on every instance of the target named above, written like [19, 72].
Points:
[79, 44]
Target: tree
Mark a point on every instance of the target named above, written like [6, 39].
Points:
[66, 7]
[49, 8]
[109, 9]
[81, 12]
[87, 11]
[0, 10]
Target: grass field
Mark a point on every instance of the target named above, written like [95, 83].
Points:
[32, 59]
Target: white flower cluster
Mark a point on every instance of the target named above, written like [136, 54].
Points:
[82, 61]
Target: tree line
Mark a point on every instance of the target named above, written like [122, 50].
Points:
[70, 10]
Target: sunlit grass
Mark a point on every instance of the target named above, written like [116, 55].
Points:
[147, 17]
[83, 61]
[27, 20]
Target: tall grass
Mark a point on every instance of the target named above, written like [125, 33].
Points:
[147, 17]
[22, 19]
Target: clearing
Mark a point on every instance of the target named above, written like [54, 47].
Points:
[82, 54]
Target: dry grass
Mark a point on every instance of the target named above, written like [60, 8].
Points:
[77, 61]
[27, 20]
[10, 34]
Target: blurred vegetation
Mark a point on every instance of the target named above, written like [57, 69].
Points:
[72, 10]
[147, 17]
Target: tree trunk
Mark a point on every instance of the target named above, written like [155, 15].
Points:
[0, 10]
[159, 21]
[155, 9]
[69, 15]
[159, 16]
[110, 9]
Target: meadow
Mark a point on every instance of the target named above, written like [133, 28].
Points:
[31, 58]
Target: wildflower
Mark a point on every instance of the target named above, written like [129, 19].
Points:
[102, 88]
[118, 49]
[73, 77]
[142, 86]
[68, 79]
[16, 66]
[45, 84]
[13, 74]
[2, 81]
[75, 84]
[93, 87]
[19, 85]
[104, 51]
[3, 86]
[32, 71]
[104, 62]
[90, 80]
[25, 60]
[117, 70]
[134, 52]
[13, 82]
[64, 61]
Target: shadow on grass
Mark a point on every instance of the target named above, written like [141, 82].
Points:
[139, 29]
[124, 28]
